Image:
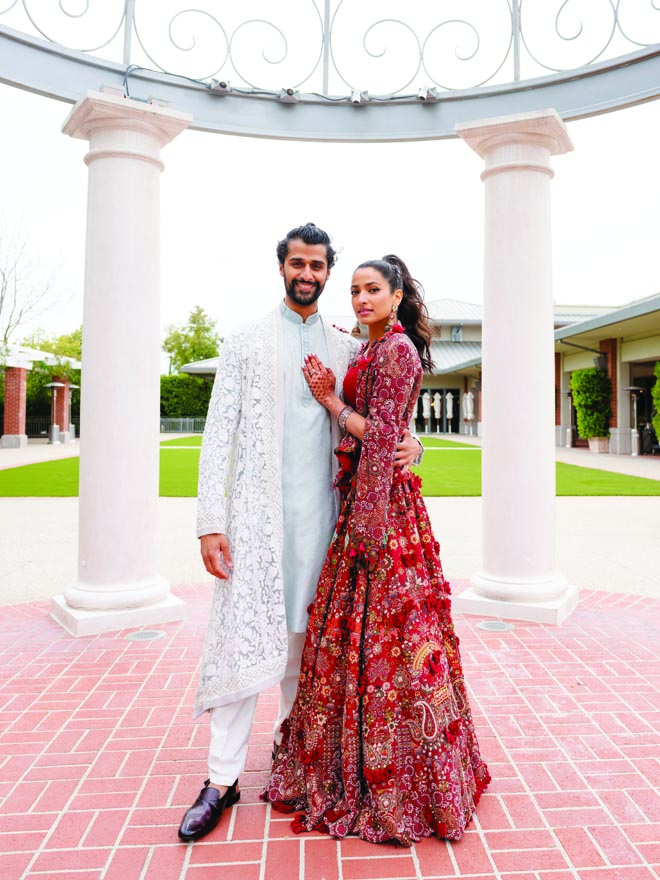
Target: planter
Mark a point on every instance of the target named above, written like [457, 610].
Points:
[599, 444]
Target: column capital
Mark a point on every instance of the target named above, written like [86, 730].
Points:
[539, 128]
[101, 111]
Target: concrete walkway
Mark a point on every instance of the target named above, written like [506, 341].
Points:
[36, 451]
[610, 544]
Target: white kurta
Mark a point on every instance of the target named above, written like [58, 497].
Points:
[310, 512]
[240, 495]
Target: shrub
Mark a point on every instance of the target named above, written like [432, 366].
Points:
[183, 396]
[655, 394]
[592, 393]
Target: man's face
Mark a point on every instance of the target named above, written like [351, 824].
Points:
[305, 271]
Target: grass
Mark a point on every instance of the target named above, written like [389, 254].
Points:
[454, 470]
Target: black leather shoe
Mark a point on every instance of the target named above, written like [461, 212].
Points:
[205, 813]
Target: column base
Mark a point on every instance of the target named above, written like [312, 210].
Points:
[80, 622]
[554, 611]
[13, 441]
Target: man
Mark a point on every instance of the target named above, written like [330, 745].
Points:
[266, 511]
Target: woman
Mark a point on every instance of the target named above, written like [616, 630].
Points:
[380, 741]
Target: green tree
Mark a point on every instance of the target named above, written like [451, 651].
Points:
[184, 397]
[655, 394]
[592, 393]
[66, 345]
[195, 340]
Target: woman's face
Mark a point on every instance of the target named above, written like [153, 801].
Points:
[371, 296]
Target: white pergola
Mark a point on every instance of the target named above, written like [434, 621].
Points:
[118, 583]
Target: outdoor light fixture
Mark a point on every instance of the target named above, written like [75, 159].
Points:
[219, 87]
[635, 391]
[428, 96]
[289, 96]
[358, 97]
[54, 430]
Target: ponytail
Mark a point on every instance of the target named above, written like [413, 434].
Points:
[412, 313]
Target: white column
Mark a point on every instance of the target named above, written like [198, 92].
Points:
[519, 578]
[118, 583]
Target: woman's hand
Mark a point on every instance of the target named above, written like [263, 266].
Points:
[321, 380]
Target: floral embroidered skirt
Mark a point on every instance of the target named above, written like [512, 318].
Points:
[380, 741]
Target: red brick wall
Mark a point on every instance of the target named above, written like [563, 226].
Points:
[61, 415]
[557, 388]
[609, 347]
[15, 385]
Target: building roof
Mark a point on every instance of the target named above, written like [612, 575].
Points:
[638, 317]
[449, 357]
[455, 311]
[22, 356]
[201, 368]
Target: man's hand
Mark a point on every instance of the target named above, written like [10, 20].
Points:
[216, 555]
[407, 450]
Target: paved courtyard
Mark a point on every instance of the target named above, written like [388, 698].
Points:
[100, 757]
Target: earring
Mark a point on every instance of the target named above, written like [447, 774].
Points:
[391, 321]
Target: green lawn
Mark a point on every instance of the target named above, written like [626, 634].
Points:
[454, 469]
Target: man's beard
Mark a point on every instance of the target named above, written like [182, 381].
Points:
[303, 299]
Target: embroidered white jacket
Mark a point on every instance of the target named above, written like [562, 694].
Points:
[240, 495]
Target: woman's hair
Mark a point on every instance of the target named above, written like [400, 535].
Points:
[412, 313]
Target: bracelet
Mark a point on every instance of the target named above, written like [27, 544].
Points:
[343, 415]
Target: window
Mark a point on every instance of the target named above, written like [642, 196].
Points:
[457, 333]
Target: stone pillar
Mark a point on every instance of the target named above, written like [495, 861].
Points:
[14, 436]
[519, 578]
[118, 583]
[620, 426]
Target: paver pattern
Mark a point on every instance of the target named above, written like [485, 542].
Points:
[99, 758]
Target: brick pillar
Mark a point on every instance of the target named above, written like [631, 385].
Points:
[609, 347]
[60, 415]
[557, 388]
[14, 429]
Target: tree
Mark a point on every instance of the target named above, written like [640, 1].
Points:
[592, 393]
[66, 345]
[25, 291]
[194, 341]
[184, 397]
[655, 394]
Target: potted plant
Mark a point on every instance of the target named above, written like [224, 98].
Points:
[592, 393]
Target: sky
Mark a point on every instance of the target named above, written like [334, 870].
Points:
[227, 200]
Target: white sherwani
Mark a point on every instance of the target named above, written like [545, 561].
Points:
[240, 495]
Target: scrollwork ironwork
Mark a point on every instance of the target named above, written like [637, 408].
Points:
[303, 45]
[94, 46]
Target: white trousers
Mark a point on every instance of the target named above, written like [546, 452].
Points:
[231, 723]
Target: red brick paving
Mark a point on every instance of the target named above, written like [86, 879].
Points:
[99, 758]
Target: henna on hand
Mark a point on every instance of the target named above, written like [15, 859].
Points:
[321, 379]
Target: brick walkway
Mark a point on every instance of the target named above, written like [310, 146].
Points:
[99, 758]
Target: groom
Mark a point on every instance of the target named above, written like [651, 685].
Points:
[266, 511]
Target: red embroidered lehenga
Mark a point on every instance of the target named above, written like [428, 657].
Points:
[380, 741]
